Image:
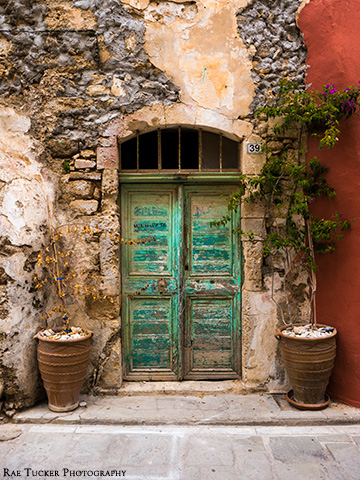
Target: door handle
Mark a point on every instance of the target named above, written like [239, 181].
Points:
[161, 285]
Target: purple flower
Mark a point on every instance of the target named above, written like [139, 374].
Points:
[329, 89]
[349, 105]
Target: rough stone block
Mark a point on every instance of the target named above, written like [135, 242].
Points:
[257, 303]
[251, 163]
[180, 114]
[85, 207]
[241, 128]
[110, 182]
[110, 191]
[118, 89]
[82, 164]
[139, 4]
[153, 116]
[107, 157]
[212, 119]
[81, 188]
[255, 225]
[253, 261]
[108, 141]
[98, 90]
[252, 209]
[88, 154]
[116, 127]
[85, 176]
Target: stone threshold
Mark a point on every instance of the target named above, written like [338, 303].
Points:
[184, 388]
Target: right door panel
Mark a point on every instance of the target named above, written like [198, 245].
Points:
[212, 284]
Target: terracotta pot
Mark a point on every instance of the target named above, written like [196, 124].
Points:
[63, 365]
[308, 363]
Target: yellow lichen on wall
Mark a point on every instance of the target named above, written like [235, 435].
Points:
[197, 45]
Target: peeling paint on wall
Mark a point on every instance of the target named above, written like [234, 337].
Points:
[197, 45]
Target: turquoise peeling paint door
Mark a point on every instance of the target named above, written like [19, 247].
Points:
[181, 294]
[212, 287]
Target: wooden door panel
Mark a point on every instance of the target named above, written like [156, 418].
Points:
[150, 333]
[150, 216]
[209, 247]
[150, 279]
[151, 328]
[210, 331]
[212, 287]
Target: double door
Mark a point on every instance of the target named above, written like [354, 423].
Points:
[181, 292]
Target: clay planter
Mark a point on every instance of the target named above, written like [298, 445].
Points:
[63, 365]
[308, 363]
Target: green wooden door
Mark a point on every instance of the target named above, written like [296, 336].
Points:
[181, 294]
[212, 287]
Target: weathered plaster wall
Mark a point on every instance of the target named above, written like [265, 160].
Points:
[78, 76]
[331, 31]
[24, 188]
[200, 49]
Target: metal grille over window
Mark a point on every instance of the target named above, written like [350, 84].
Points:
[179, 150]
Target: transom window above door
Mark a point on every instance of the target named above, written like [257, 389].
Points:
[179, 149]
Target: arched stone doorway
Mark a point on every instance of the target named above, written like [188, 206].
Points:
[258, 313]
[180, 294]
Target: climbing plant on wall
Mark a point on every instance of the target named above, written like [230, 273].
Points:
[288, 187]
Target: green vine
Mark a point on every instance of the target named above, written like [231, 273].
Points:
[288, 187]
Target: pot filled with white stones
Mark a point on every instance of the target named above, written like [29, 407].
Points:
[308, 353]
[63, 359]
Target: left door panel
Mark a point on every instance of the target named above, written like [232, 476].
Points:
[151, 327]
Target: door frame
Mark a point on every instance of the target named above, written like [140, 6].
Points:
[206, 179]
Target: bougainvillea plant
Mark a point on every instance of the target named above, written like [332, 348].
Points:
[319, 111]
[288, 187]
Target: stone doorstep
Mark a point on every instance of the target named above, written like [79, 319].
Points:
[218, 408]
[189, 387]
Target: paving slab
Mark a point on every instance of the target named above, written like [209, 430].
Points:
[175, 452]
[216, 409]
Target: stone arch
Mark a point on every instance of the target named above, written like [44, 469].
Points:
[258, 312]
[159, 116]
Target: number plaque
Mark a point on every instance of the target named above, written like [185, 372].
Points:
[254, 148]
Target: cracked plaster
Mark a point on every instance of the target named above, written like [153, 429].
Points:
[204, 55]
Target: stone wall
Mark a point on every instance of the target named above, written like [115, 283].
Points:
[78, 76]
[275, 44]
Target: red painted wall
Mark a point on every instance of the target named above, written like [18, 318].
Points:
[331, 31]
